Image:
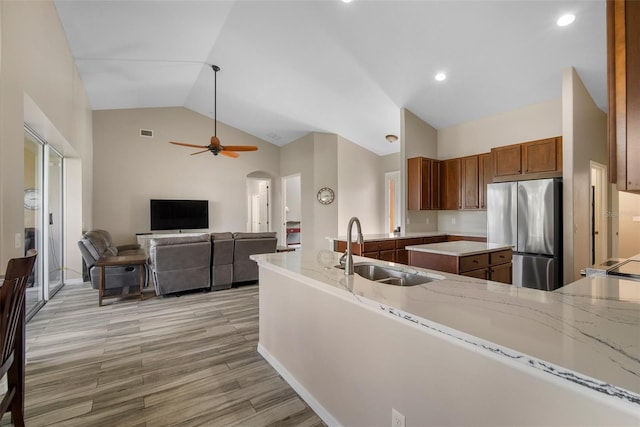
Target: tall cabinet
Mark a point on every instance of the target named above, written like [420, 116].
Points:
[623, 67]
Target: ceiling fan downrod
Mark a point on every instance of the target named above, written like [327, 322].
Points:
[215, 96]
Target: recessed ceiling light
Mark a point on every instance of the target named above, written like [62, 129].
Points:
[440, 77]
[347, 1]
[565, 20]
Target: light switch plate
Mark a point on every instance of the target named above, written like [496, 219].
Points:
[18, 241]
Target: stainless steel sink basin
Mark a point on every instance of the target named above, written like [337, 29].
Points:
[390, 275]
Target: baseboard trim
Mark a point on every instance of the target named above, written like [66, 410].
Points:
[299, 388]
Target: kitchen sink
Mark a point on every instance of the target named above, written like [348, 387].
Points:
[390, 275]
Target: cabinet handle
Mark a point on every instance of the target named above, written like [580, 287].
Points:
[475, 261]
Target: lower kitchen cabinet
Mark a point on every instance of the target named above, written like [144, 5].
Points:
[488, 265]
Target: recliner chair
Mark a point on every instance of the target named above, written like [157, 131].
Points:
[95, 244]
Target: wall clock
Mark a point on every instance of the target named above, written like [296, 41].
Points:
[326, 196]
[32, 199]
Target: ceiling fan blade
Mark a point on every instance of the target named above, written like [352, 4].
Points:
[199, 152]
[188, 145]
[239, 148]
[230, 154]
[215, 141]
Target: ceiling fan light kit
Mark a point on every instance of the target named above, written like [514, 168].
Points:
[214, 145]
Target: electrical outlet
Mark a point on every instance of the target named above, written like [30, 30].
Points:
[18, 241]
[397, 419]
[408, 221]
[427, 220]
[453, 220]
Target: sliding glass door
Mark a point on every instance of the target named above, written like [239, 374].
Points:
[53, 220]
[33, 189]
[43, 218]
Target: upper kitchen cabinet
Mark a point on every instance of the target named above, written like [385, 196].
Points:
[470, 182]
[423, 183]
[485, 176]
[529, 160]
[623, 58]
[450, 179]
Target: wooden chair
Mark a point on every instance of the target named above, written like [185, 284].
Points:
[12, 334]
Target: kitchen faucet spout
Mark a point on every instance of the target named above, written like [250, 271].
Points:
[348, 255]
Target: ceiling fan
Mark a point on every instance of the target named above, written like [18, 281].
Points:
[214, 146]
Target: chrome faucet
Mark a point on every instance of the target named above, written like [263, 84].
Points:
[347, 257]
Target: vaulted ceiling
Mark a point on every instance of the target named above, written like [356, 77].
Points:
[292, 67]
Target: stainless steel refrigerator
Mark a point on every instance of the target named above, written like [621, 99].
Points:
[528, 216]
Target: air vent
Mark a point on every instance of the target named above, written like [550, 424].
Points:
[146, 132]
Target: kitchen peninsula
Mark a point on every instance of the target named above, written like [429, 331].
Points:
[454, 351]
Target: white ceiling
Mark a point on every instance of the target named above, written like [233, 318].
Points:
[292, 67]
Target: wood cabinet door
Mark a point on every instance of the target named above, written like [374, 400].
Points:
[423, 181]
[623, 69]
[541, 156]
[414, 183]
[507, 160]
[501, 273]
[450, 184]
[485, 175]
[434, 187]
[470, 182]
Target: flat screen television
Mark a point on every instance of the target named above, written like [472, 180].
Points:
[179, 214]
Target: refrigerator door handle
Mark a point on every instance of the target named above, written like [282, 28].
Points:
[549, 277]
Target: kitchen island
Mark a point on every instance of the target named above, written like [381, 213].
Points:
[454, 351]
[489, 261]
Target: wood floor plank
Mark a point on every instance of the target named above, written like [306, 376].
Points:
[175, 361]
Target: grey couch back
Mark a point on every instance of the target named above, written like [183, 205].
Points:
[246, 244]
[180, 263]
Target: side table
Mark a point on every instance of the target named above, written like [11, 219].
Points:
[112, 261]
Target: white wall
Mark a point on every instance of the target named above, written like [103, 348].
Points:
[360, 188]
[130, 169]
[537, 121]
[297, 158]
[418, 139]
[584, 139]
[354, 174]
[628, 214]
[41, 86]
[529, 123]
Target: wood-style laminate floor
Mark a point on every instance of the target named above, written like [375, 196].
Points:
[173, 361]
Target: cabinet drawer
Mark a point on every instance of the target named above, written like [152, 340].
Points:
[482, 273]
[474, 262]
[402, 243]
[380, 245]
[389, 255]
[500, 257]
[434, 239]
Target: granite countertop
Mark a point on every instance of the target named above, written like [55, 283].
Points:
[585, 334]
[409, 235]
[458, 248]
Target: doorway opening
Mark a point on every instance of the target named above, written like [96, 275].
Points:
[258, 204]
[392, 201]
[598, 219]
[292, 211]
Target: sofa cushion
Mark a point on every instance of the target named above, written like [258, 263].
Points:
[178, 240]
[263, 235]
[221, 236]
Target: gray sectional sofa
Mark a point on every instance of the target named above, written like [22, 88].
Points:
[180, 263]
